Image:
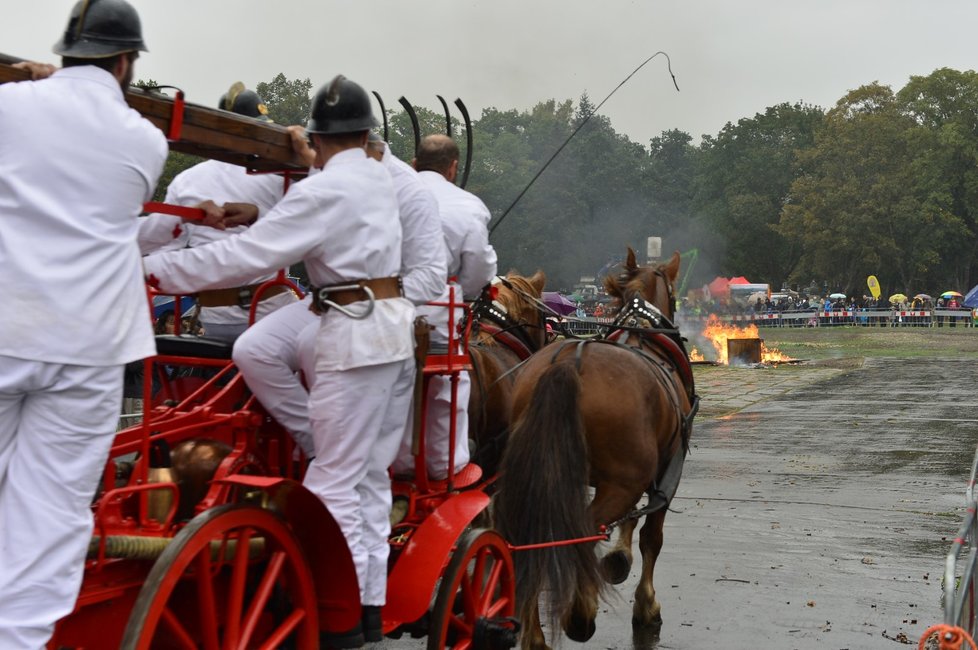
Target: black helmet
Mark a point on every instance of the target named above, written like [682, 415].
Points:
[245, 102]
[341, 106]
[101, 28]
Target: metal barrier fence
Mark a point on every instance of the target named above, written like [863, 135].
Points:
[855, 317]
[959, 567]
[809, 318]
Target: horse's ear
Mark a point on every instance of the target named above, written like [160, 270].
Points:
[630, 263]
[672, 267]
[538, 281]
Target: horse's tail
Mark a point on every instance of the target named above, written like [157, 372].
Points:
[543, 497]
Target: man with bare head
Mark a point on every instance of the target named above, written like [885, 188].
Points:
[471, 266]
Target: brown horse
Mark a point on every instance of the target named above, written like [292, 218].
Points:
[614, 414]
[509, 327]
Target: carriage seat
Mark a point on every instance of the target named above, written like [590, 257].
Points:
[439, 360]
[465, 476]
[193, 346]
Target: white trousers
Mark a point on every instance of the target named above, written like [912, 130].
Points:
[437, 433]
[273, 350]
[439, 407]
[358, 418]
[57, 424]
[268, 356]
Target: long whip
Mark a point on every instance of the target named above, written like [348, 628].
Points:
[579, 127]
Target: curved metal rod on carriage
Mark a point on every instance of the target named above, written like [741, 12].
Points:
[579, 127]
[448, 116]
[468, 141]
[383, 111]
[323, 296]
[414, 122]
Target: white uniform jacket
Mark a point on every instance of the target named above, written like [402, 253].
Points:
[423, 254]
[70, 275]
[343, 223]
[472, 260]
[222, 183]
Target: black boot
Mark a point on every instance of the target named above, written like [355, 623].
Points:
[371, 623]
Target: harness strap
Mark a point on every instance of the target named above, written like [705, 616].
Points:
[508, 338]
[664, 486]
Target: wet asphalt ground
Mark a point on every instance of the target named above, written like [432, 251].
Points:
[815, 509]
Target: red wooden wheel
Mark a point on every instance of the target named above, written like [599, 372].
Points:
[233, 578]
[478, 591]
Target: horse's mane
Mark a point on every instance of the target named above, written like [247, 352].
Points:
[516, 306]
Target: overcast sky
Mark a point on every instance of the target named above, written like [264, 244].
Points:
[732, 58]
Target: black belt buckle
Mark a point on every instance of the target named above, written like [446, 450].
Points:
[245, 295]
[318, 307]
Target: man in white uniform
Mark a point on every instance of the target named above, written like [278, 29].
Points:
[224, 312]
[76, 165]
[270, 354]
[343, 223]
[472, 265]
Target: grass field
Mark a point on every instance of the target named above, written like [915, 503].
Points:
[904, 342]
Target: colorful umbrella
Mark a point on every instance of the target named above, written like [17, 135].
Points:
[559, 303]
[952, 294]
[897, 298]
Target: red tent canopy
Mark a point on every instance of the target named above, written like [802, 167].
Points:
[719, 287]
[739, 280]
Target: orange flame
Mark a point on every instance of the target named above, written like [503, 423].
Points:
[717, 332]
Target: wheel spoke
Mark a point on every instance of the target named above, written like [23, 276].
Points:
[479, 571]
[180, 634]
[466, 591]
[236, 589]
[260, 599]
[284, 630]
[489, 587]
[461, 624]
[206, 605]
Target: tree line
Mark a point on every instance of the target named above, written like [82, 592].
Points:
[883, 183]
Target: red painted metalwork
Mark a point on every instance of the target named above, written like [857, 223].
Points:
[176, 118]
[182, 211]
[424, 555]
[279, 280]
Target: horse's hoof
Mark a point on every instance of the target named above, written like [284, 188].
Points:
[653, 626]
[579, 629]
[615, 567]
[644, 638]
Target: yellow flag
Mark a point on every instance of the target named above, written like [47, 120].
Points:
[874, 286]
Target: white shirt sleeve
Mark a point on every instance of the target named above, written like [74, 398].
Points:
[278, 239]
[478, 262]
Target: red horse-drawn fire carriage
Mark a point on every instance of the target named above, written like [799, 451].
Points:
[205, 537]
